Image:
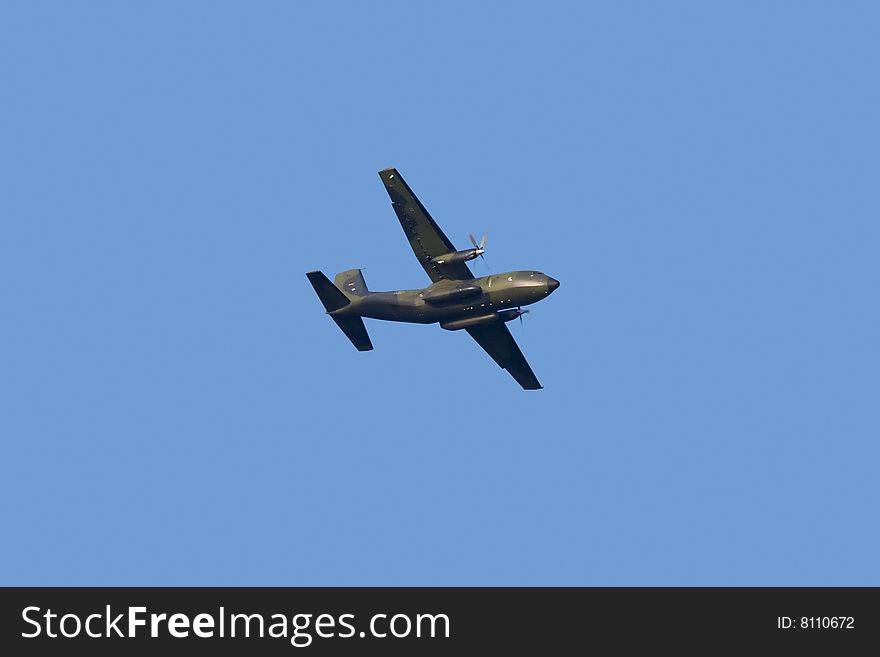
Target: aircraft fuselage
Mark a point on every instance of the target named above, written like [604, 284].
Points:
[447, 301]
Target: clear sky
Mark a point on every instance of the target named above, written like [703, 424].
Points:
[175, 407]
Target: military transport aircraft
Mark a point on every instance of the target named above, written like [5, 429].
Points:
[455, 298]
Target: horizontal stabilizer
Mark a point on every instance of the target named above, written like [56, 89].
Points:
[354, 329]
[330, 295]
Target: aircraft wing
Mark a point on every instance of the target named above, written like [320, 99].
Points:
[425, 237]
[500, 345]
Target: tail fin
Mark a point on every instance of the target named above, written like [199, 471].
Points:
[328, 293]
[352, 283]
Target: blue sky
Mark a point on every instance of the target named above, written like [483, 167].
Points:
[175, 408]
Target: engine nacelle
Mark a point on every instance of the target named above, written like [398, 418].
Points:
[457, 324]
[491, 318]
[508, 315]
[457, 257]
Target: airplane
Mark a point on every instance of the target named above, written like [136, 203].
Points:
[455, 298]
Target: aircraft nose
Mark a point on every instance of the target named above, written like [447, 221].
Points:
[552, 283]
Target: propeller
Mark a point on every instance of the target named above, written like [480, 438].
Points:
[479, 247]
[521, 313]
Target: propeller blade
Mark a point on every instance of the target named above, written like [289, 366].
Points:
[481, 243]
[479, 246]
